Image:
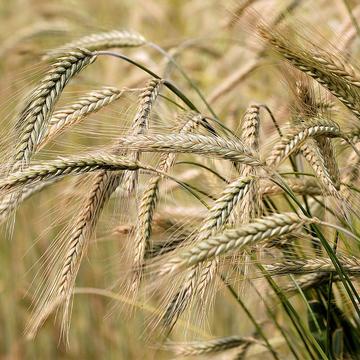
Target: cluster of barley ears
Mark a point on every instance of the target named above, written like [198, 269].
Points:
[268, 210]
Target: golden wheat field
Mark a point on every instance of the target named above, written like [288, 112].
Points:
[179, 179]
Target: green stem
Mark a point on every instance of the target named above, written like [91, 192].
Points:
[252, 319]
[342, 274]
[183, 73]
[167, 83]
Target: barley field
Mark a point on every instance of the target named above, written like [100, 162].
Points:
[179, 179]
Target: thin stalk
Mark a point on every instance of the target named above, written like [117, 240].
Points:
[343, 276]
[167, 83]
[252, 319]
[217, 121]
[172, 102]
[204, 167]
[273, 317]
[352, 17]
[183, 73]
[329, 295]
[295, 318]
[306, 303]
[277, 127]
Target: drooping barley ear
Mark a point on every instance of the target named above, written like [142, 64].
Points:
[246, 207]
[49, 170]
[104, 185]
[180, 301]
[328, 153]
[249, 234]
[350, 265]
[191, 143]
[337, 66]
[298, 186]
[210, 346]
[296, 137]
[200, 276]
[74, 113]
[317, 162]
[140, 124]
[309, 281]
[61, 288]
[148, 204]
[102, 41]
[250, 204]
[322, 146]
[307, 62]
[37, 111]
